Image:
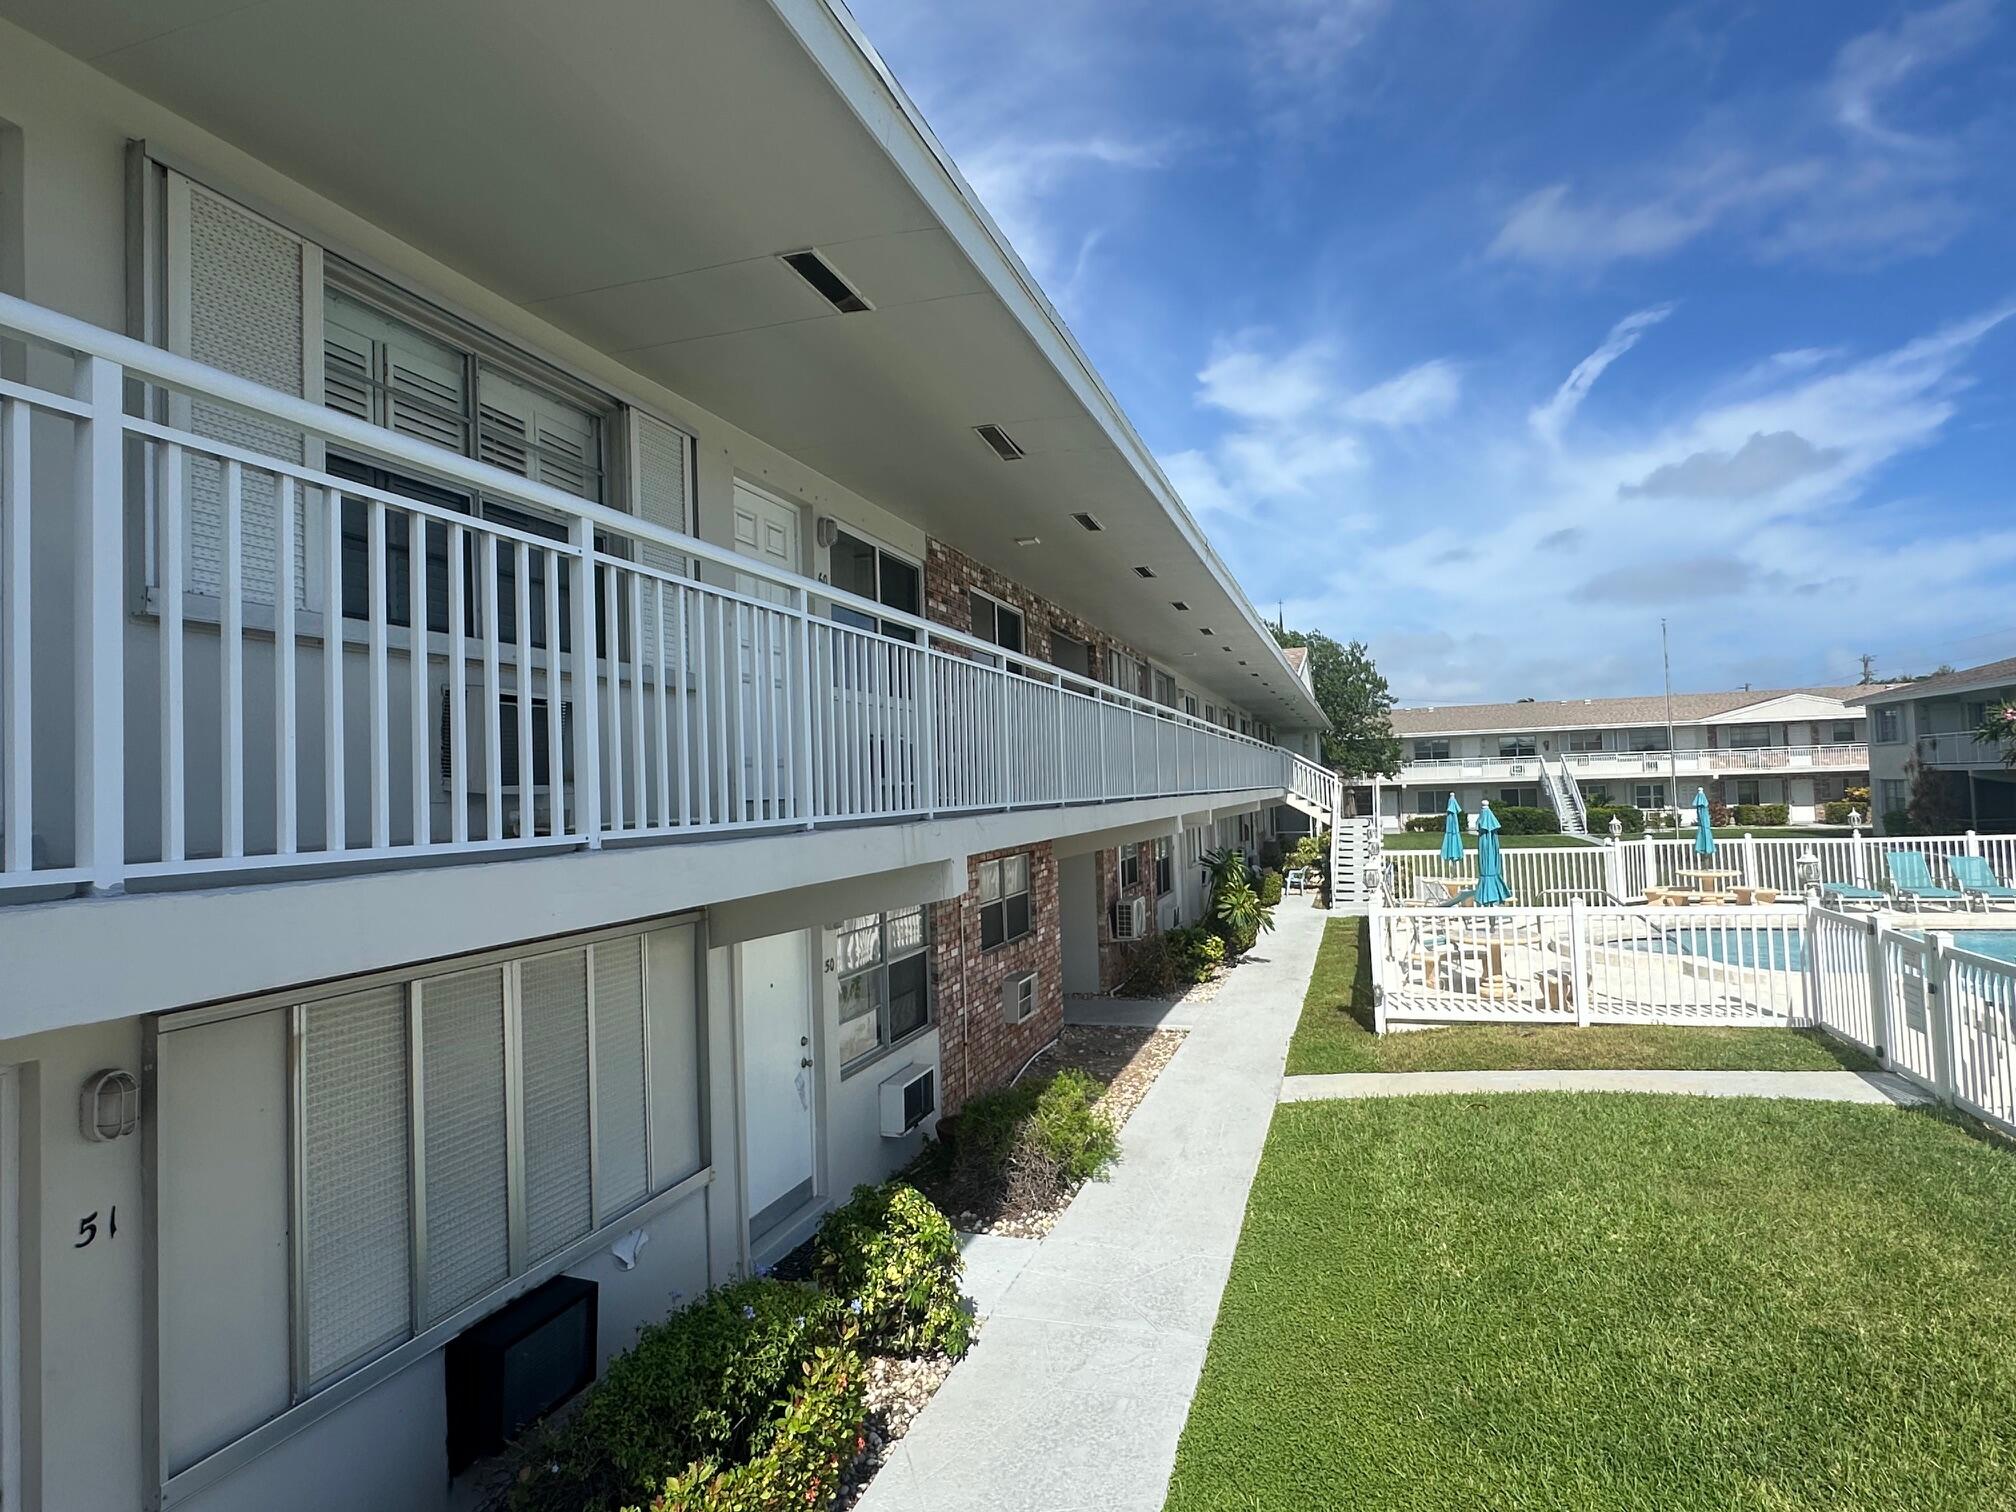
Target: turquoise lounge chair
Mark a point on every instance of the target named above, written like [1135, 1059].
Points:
[1848, 895]
[1911, 878]
[1977, 879]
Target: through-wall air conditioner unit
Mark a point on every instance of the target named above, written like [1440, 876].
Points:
[1130, 919]
[1518, 769]
[908, 1098]
[1019, 998]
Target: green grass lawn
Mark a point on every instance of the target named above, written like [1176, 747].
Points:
[1335, 1034]
[1551, 1301]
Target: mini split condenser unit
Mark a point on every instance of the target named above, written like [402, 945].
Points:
[908, 1098]
[1130, 919]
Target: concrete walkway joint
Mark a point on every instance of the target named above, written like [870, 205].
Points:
[1077, 1391]
[1819, 1086]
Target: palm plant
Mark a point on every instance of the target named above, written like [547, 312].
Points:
[1236, 913]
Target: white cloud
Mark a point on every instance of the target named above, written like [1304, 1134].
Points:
[1815, 174]
[1018, 181]
[1242, 380]
[1415, 397]
[1549, 418]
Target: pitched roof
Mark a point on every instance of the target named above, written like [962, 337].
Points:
[1987, 675]
[1296, 656]
[1577, 713]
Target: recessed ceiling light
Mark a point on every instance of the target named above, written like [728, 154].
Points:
[816, 271]
[1003, 444]
[1144, 572]
[1028, 540]
[1088, 522]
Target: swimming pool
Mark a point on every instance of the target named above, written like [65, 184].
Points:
[1773, 950]
[1999, 943]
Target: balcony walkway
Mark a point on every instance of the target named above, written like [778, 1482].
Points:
[1077, 1392]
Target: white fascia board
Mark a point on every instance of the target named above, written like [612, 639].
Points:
[842, 52]
[91, 960]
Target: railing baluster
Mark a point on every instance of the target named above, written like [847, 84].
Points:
[231, 667]
[528, 754]
[17, 748]
[587, 717]
[638, 784]
[458, 687]
[286, 819]
[98, 622]
[612, 735]
[556, 708]
[421, 799]
[335, 818]
[493, 711]
[168, 574]
[660, 655]
[679, 595]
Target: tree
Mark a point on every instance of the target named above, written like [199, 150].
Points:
[1356, 701]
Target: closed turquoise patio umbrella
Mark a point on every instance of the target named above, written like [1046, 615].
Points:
[1491, 886]
[1452, 831]
[1704, 831]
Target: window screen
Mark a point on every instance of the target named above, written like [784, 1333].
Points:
[356, 1177]
[553, 1017]
[622, 1158]
[468, 1175]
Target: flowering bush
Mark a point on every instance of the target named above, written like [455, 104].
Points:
[797, 1455]
[896, 1259]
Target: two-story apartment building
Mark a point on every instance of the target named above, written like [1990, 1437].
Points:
[1928, 727]
[1801, 747]
[581, 654]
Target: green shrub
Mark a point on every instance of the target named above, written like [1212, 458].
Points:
[1425, 824]
[1897, 822]
[1272, 884]
[1072, 1130]
[1764, 814]
[700, 1387]
[1235, 910]
[1307, 851]
[799, 1453]
[895, 1260]
[1837, 810]
[1166, 963]
[1515, 819]
[1719, 816]
[1600, 815]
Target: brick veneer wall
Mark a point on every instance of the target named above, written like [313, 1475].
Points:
[950, 576]
[978, 1048]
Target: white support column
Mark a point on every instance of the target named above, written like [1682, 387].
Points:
[1749, 859]
[1879, 996]
[1973, 840]
[1375, 942]
[98, 624]
[1939, 1013]
[1578, 958]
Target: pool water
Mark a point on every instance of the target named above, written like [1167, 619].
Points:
[1999, 943]
[1784, 950]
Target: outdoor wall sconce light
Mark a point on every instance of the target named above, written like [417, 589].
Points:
[110, 1105]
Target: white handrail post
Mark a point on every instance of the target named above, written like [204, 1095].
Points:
[1879, 997]
[801, 712]
[587, 679]
[1058, 695]
[1651, 866]
[1860, 858]
[929, 678]
[98, 540]
[1749, 859]
[1810, 977]
[1375, 941]
[1973, 843]
[1578, 958]
[1613, 869]
[1939, 1011]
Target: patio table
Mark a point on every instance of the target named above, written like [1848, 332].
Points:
[1707, 876]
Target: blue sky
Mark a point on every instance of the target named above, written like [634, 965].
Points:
[1489, 331]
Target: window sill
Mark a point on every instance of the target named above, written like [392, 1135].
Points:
[1011, 940]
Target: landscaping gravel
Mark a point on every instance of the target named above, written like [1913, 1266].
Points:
[896, 1392]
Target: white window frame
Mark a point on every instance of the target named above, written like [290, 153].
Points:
[1886, 724]
[1165, 867]
[1431, 748]
[1649, 795]
[992, 636]
[847, 615]
[1130, 867]
[879, 968]
[997, 869]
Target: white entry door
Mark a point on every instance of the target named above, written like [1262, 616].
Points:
[778, 1076]
[766, 528]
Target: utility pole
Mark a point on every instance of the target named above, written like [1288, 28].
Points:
[1868, 670]
[1672, 755]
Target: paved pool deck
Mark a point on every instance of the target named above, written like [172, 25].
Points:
[1076, 1394]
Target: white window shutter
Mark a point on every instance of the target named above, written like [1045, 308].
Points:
[662, 482]
[553, 1025]
[357, 1178]
[621, 1169]
[382, 370]
[244, 293]
[468, 1165]
[538, 435]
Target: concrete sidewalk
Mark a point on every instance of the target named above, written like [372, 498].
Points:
[1078, 1389]
[1819, 1086]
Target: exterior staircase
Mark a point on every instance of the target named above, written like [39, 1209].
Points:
[1565, 793]
[1355, 858]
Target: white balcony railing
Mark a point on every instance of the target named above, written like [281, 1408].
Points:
[258, 720]
[1598, 765]
[1314, 783]
[1959, 749]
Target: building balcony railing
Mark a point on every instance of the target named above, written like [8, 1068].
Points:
[269, 702]
[1626, 765]
[1959, 749]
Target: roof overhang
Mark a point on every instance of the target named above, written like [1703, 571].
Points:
[631, 173]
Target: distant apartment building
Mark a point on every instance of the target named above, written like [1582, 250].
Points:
[1929, 726]
[1801, 747]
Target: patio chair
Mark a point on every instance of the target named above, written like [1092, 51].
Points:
[1296, 881]
[1977, 879]
[1847, 895]
[1911, 878]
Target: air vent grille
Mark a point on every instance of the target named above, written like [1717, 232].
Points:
[1003, 444]
[1088, 522]
[1144, 572]
[834, 289]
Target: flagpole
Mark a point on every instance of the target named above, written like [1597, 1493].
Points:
[1672, 755]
